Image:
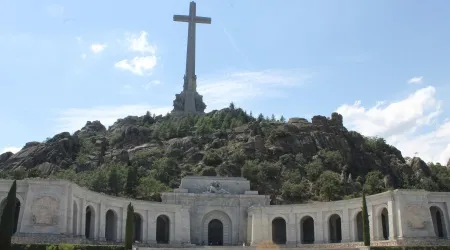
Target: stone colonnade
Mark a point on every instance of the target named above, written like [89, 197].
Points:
[341, 221]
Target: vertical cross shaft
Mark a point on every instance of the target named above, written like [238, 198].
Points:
[192, 20]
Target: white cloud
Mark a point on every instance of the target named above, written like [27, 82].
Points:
[97, 47]
[74, 119]
[139, 43]
[243, 86]
[400, 123]
[138, 65]
[10, 149]
[148, 85]
[416, 80]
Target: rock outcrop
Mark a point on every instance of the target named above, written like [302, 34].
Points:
[227, 142]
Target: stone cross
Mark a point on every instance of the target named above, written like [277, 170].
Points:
[192, 20]
[190, 78]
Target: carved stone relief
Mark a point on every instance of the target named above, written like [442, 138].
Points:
[416, 215]
[45, 211]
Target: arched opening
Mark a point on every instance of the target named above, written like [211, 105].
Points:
[437, 216]
[162, 229]
[279, 231]
[137, 227]
[111, 226]
[335, 230]
[215, 233]
[90, 223]
[385, 223]
[75, 219]
[307, 224]
[359, 226]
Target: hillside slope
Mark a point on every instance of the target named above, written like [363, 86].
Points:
[294, 161]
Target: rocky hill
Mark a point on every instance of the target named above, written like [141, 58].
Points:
[294, 161]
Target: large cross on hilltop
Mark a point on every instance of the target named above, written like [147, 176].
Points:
[190, 79]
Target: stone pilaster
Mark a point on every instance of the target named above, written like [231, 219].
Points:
[345, 225]
[102, 223]
[392, 219]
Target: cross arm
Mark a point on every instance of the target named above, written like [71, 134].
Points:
[200, 19]
[197, 19]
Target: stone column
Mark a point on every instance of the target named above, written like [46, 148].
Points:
[144, 226]
[372, 221]
[151, 227]
[121, 227]
[102, 224]
[345, 225]
[319, 226]
[248, 240]
[69, 211]
[291, 230]
[392, 219]
[82, 217]
[257, 230]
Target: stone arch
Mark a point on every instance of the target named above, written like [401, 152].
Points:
[439, 223]
[89, 228]
[307, 230]
[18, 213]
[226, 226]
[279, 230]
[138, 227]
[163, 229]
[334, 228]
[111, 225]
[383, 223]
[358, 225]
[75, 218]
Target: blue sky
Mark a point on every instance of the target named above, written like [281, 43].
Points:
[385, 65]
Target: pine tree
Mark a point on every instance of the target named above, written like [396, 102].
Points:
[7, 215]
[272, 118]
[282, 119]
[113, 182]
[129, 227]
[366, 231]
[260, 117]
[132, 182]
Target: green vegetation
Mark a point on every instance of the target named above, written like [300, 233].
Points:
[7, 215]
[292, 162]
[365, 222]
[129, 227]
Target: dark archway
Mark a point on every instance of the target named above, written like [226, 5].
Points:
[385, 223]
[111, 226]
[335, 229]
[437, 216]
[279, 231]
[137, 227]
[307, 224]
[162, 229]
[75, 219]
[90, 223]
[359, 226]
[215, 233]
[16, 214]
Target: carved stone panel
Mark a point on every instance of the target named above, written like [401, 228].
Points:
[45, 211]
[416, 216]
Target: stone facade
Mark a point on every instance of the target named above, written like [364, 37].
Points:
[216, 210]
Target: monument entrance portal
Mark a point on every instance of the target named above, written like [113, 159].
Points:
[215, 233]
